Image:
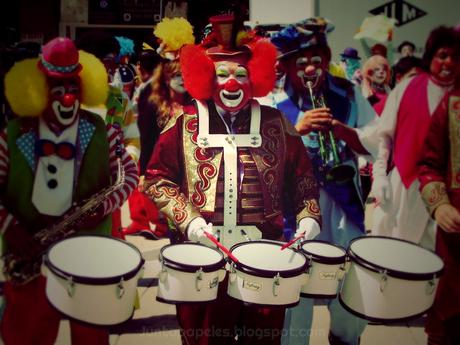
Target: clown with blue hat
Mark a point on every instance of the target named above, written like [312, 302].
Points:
[323, 106]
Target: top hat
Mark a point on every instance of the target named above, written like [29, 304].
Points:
[60, 58]
[350, 53]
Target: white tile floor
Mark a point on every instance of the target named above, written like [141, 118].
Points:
[163, 315]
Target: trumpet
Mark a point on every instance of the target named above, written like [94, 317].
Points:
[336, 171]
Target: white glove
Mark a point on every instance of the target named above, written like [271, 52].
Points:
[381, 189]
[196, 229]
[310, 227]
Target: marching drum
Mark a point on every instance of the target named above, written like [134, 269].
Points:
[190, 272]
[326, 267]
[389, 279]
[265, 274]
[93, 278]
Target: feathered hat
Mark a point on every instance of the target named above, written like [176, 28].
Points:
[225, 41]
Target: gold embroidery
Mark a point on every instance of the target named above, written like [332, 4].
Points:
[454, 134]
[202, 167]
[434, 194]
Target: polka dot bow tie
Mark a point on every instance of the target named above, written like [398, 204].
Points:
[63, 150]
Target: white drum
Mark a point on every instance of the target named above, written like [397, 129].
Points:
[389, 279]
[265, 274]
[191, 272]
[326, 268]
[93, 278]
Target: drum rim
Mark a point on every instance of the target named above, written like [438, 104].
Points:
[188, 267]
[324, 259]
[390, 271]
[259, 272]
[93, 280]
[379, 319]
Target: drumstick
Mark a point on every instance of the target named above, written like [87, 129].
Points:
[291, 242]
[221, 246]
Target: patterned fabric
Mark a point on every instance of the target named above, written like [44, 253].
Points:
[113, 136]
[183, 178]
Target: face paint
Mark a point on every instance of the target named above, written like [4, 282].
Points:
[233, 88]
[310, 66]
[64, 102]
[176, 83]
[443, 66]
[378, 75]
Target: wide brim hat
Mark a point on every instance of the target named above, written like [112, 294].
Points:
[302, 35]
[60, 58]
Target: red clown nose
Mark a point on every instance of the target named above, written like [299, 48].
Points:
[68, 100]
[232, 85]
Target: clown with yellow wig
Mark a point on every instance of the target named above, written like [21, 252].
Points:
[53, 157]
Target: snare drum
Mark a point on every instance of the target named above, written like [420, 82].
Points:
[190, 272]
[326, 267]
[265, 274]
[389, 279]
[93, 278]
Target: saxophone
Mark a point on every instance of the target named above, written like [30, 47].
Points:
[20, 270]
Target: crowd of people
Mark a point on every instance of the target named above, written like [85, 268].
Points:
[244, 128]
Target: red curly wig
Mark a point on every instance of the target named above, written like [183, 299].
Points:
[199, 72]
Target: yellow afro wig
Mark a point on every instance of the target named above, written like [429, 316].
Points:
[174, 33]
[26, 87]
[94, 80]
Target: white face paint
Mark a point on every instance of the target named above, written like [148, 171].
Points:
[176, 83]
[233, 89]
[65, 104]
[309, 70]
[379, 75]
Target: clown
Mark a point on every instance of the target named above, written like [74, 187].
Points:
[60, 156]
[190, 176]
[376, 79]
[305, 56]
[403, 127]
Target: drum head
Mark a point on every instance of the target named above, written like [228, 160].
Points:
[94, 257]
[264, 258]
[396, 256]
[192, 255]
[324, 252]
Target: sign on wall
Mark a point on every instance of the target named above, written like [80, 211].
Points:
[132, 12]
[400, 10]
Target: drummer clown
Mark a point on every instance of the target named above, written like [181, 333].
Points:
[54, 156]
[224, 165]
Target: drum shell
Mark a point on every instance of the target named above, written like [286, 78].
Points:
[266, 286]
[175, 286]
[323, 276]
[380, 296]
[94, 304]
[97, 301]
[179, 282]
[259, 290]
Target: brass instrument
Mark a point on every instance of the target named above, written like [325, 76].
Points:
[339, 173]
[20, 270]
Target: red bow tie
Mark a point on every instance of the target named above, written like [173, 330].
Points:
[64, 150]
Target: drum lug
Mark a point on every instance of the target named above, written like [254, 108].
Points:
[163, 272]
[232, 274]
[344, 269]
[120, 288]
[199, 279]
[383, 279]
[310, 266]
[431, 286]
[276, 284]
[70, 287]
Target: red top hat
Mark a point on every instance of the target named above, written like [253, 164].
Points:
[224, 30]
[60, 58]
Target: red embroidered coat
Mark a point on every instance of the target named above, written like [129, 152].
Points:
[439, 175]
[183, 179]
